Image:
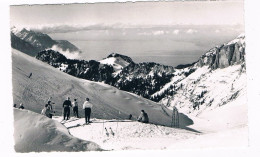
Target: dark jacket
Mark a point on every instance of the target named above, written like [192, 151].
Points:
[143, 117]
[21, 107]
[67, 103]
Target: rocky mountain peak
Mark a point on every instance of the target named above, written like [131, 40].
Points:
[116, 55]
[31, 42]
[230, 53]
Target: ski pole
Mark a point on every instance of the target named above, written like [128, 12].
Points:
[103, 125]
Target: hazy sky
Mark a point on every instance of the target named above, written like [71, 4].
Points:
[125, 14]
[170, 33]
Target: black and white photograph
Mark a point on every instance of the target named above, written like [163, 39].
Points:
[127, 76]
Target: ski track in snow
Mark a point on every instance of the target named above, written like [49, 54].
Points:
[127, 134]
[132, 135]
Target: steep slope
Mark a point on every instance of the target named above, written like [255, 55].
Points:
[212, 91]
[109, 102]
[36, 133]
[219, 57]
[225, 55]
[20, 44]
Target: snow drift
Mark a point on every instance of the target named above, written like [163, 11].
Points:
[35, 133]
[126, 134]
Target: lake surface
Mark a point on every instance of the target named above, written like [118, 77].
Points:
[164, 52]
[160, 45]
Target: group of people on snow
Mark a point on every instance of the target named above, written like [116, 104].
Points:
[20, 107]
[87, 107]
[66, 109]
[67, 104]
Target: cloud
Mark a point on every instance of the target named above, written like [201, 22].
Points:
[144, 33]
[191, 31]
[58, 28]
[67, 53]
[158, 32]
[176, 31]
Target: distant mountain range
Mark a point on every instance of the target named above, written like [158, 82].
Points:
[31, 42]
[149, 80]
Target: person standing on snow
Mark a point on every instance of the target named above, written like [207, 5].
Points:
[49, 105]
[66, 108]
[143, 117]
[75, 108]
[46, 111]
[87, 106]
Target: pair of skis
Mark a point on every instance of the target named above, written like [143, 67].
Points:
[110, 132]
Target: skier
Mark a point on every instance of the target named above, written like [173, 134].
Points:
[46, 111]
[107, 133]
[30, 75]
[66, 108]
[111, 131]
[14, 105]
[75, 108]
[21, 106]
[143, 117]
[87, 106]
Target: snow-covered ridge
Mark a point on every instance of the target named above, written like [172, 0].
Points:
[116, 61]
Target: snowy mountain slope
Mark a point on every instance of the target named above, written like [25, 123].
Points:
[117, 70]
[109, 102]
[205, 90]
[36, 133]
[127, 135]
[118, 62]
[219, 57]
[223, 127]
[212, 92]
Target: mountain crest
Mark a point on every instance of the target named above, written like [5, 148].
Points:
[126, 58]
[228, 54]
[37, 41]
